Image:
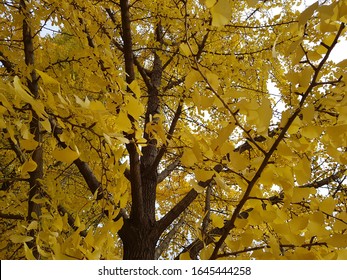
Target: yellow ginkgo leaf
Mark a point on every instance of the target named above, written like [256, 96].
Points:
[123, 122]
[221, 13]
[185, 49]
[48, 80]
[311, 132]
[97, 106]
[192, 77]
[28, 144]
[116, 226]
[66, 155]
[134, 107]
[298, 223]
[185, 256]
[306, 14]
[188, 158]
[28, 166]
[196, 186]
[203, 175]
[32, 225]
[265, 113]
[77, 222]
[338, 240]
[42, 252]
[303, 171]
[28, 253]
[212, 80]
[46, 125]
[17, 238]
[300, 194]
[58, 223]
[84, 104]
[23, 94]
[135, 88]
[252, 3]
[217, 221]
[328, 205]
[210, 3]
[206, 252]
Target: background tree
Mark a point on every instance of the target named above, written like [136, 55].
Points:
[172, 129]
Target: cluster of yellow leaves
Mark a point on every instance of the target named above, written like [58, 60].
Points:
[227, 104]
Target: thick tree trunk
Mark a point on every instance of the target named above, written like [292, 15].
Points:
[34, 209]
[139, 240]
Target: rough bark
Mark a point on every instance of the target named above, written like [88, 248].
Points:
[34, 209]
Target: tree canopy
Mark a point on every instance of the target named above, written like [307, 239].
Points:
[183, 129]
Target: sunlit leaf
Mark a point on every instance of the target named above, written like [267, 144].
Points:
[26, 97]
[66, 155]
[135, 88]
[46, 78]
[188, 158]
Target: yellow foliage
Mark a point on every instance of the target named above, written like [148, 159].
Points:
[133, 120]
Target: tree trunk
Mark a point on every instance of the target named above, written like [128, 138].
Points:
[139, 240]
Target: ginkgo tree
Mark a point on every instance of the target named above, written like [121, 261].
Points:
[184, 129]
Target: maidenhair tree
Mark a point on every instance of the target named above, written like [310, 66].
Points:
[202, 129]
